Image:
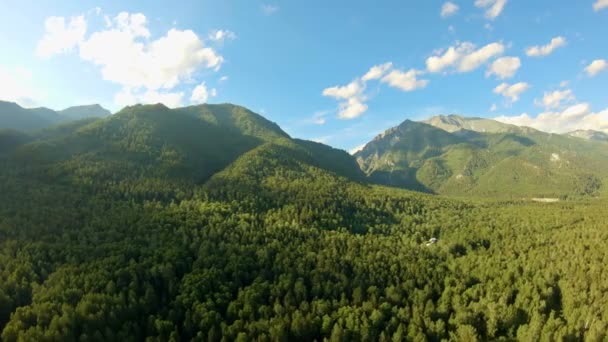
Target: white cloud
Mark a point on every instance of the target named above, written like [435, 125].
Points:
[475, 59]
[199, 94]
[353, 98]
[575, 117]
[596, 67]
[269, 9]
[213, 92]
[146, 69]
[357, 149]
[406, 81]
[352, 108]
[161, 63]
[59, 37]
[554, 99]
[504, 67]
[377, 71]
[600, 4]
[221, 35]
[545, 50]
[16, 85]
[564, 84]
[464, 57]
[451, 56]
[494, 107]
[128, 97]
[512, 91]
[223, 78]
[493, 7]
[448, 9]
[344, 92]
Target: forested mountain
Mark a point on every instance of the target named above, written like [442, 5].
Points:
[210, 223]
[481, 157]
[13, 116]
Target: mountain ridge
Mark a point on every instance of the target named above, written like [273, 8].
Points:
[13, 116]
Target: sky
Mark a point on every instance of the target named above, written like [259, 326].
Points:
[337, 72]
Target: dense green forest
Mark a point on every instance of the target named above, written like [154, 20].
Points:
[475, 157]
[209, 223]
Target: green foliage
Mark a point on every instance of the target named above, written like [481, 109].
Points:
[138, 227]
[485, 158]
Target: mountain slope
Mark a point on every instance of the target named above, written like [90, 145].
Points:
[142, 144]
[509, 161]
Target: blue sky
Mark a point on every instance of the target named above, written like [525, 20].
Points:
[305, 65]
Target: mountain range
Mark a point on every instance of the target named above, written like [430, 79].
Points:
[210, 222]
[217, 144]
[13, 116]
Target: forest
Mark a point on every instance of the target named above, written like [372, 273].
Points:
[115, 234]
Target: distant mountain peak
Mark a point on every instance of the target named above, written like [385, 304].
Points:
[454, 123]
[85, 111]
[589, 134]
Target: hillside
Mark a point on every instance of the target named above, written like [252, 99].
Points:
[13, 116]
[139, 226]
[211, 223]
[481, 157]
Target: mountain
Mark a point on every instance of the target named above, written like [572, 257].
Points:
[481, 157]
[13, 116]
[211, 223]
[454, 123]
[83, 112]
[589, 135]
[141, 144]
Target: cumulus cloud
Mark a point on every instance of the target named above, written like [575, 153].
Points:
[406, 81]
[221, 35]
[199, 94]
[147, 69]
[153, 64]
[493, 7]
[596, 67]
[575, 117]
[352, 96]
[504, 67]
[555, 99]
[464, 57]
[352, 104]
[545, 50]
[600, 4]
[60, 37]
[377, 71]
[448, 9]
[512, 91]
